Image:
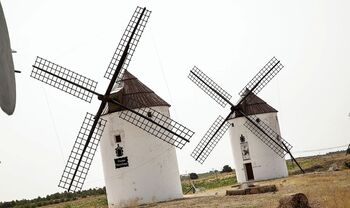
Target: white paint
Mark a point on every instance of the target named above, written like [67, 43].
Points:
[152, 174]
[265, 162]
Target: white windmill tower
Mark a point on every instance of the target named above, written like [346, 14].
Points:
[138, 167]
[252, 156]
[260, 132]
[126, 149]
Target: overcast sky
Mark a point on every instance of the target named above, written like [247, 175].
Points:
[229, 40]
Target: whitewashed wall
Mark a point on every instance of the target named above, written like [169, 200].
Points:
[265, 162]
[152, 174]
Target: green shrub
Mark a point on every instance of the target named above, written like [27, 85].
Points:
[347, 164]
[226, 169]
[193, 176]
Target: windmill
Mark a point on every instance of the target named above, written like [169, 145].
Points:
[138, 167]
[255, 125]
[7, 71]
[88, 138]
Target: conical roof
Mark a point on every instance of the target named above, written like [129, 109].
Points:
[134, 94]
[253, 105]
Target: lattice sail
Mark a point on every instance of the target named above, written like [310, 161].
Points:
[209, 86]
[157, 124]
[210, 139]
[271, 135]
[67, 182]
[60, 78]
[142, 13]
[263, 77]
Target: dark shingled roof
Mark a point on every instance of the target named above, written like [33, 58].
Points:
[138, 92]
[253, 105]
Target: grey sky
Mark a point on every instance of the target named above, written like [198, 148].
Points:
[229, 40]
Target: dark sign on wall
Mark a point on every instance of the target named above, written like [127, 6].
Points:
[121, 162]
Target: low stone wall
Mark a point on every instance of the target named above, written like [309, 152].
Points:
[252, 190]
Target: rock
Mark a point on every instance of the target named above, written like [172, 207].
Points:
[235, 192]
[295, 200]
[333, 167]
[246, 185]
[268, 188]
[252, 190]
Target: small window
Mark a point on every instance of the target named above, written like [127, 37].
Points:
[258, 120]
[149, 114]
[118, 139]
[232, 125]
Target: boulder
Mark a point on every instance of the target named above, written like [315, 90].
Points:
[333, 167]
[295, 200]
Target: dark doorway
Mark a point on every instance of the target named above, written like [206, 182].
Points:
[249, 171]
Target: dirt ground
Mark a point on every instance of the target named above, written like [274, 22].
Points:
[323, 189]
[327, 189]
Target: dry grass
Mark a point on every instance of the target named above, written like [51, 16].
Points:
[324, 190]
[318, 162]
[91, 201]
[210, 181]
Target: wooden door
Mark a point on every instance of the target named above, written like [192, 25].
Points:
[249, 171]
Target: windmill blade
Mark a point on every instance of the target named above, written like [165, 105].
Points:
[155, 123]
[84, 149]
[63, 79]
[209, 86]
[134, 31]
[75, 172]
[263, 77]
[272, 135]
[210, 139]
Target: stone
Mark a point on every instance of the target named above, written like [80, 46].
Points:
[246, 185]
[252, 190]
[333, 167]
[295, 200]
[235, 192]
[269, 188]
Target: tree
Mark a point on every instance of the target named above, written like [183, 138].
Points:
[226, 169]
[193, 176]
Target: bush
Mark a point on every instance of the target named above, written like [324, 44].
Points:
[53, 198]
[347, 164]
[226, 169]
[193, 176]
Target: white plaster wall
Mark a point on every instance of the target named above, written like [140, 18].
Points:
[265, 162]
[153, 173]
